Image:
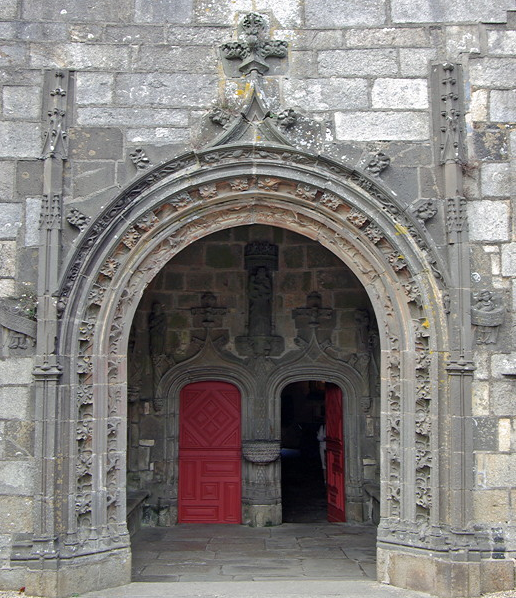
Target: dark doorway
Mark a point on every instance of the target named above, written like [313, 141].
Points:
[303, 485]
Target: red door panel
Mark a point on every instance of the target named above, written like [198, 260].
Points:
[210, 477]
[334, 454]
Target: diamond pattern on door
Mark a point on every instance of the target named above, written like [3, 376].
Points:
[209, 454]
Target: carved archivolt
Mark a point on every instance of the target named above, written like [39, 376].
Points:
[161, 214]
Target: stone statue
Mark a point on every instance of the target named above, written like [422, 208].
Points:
[260, 302]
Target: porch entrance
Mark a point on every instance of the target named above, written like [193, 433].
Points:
[210, 477]
[312, 454]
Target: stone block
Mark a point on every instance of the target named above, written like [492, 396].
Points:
[503, 105]
[492, 72]
[80, 56]
[17, 369]
[6, 287]
[303, 64]
[311, 40]
[490, 141]
[496, 576]
[92, 177]
[496, 180]
[327, 94]
[16, 514]
[21, 140]
[94, 88]
[85, 33]
[478, 105]
[162, 11]
[10, 220]
[480, 399]
[53, 32]
[509, 259]
[491, 506]
[496, 470]
[7, 174]
[12, 55]
[190, 59]
[485, 433]
[199, 36]
[400, 94]
[222, 13]
[504, 434]
[415, 62]
[180, 89]
[462, 38]
[130, 117]
[32, 214]
[18, 439]
[135, 34]
[404, 11]
[14, 402]
[29, 178]
[8, 9]
[502, 396]
[344, 63]
[17, 478]
[387, 37]
[334, 13]
[375, 126]
[488, 220]
[224, 256]
[159, 136]
[7, 263]
[95, 143]
[55, 10]
[21, 102]
[501, 42]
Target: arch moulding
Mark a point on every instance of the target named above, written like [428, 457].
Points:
[193, 196]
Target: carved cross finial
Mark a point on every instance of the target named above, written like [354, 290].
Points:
[256, 49]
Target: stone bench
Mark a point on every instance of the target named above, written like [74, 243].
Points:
[135, 500]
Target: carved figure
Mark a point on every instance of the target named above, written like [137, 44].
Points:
[260, 302]
[487, 313]
[378, 163]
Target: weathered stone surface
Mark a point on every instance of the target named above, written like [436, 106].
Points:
[303, 64]
[389, 37]
[335, 63]
[7, 260]
[14, 402]
[29, 178]
[80, 56]
[17, 478]
[130, 117]
[503, 105]
[101, 143]
[502, 363]
[480, 402]
[404, 11]
[338, 14]
[18, 439]
[491, 505]
[488, 220]
[502, 393]
[496, 180]
[501, 42]
[91, 177]
[12, 55]
[135, 34]
[509, 260]
[10, 220]
[300, 39]
[375, 126]
[166, 90]
[94, 88]
[161, 11]
[159, 135]
[83, 33]
[327, 94]
[485, 433]
[16, 369]
[6, 287]
[191, 59]
[21, 102]
[34, 31]
[400, 93]
[54, 10]
[496, 470]
[198, 36]
[490, 141]
[478, 105]
[493, 72]
[16, 513]
[9, 9]
[463, 38]
[7, 170]
[24, 140]
[415, 62]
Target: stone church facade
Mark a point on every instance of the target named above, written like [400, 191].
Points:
[295, 206]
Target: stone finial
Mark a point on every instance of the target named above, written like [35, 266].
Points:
[256, 49]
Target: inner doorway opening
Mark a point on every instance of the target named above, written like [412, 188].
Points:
[312, 453]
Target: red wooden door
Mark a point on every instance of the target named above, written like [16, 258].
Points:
[334, 454]
[210, 477]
